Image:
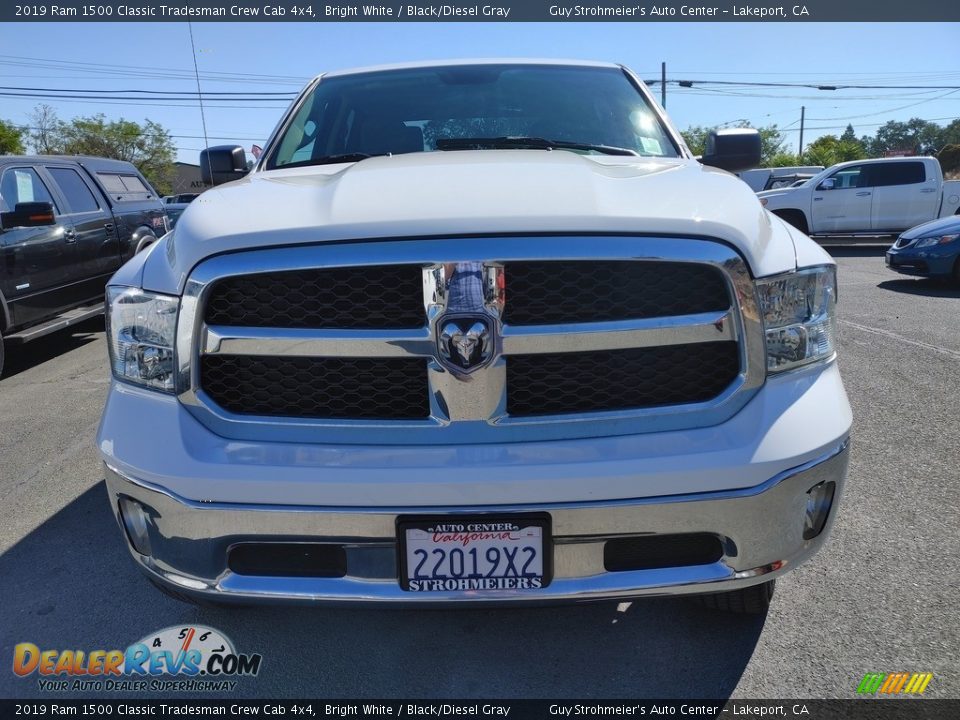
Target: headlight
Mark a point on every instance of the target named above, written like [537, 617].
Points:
[799, 316]
[140, 331]
[937, 240]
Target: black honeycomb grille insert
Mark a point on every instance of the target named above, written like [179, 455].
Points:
[375, 296]
[652, 552]
[619, 379]
[309, 387]
[554, 292]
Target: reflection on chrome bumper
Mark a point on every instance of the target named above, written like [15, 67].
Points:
[761, 531]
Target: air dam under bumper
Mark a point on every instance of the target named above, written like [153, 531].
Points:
[761, 531]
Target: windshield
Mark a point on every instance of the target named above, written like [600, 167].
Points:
[584, 109]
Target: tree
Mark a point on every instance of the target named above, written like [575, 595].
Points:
[11, 139]
[148, 146]
[915, 135]
[695, 137]
[784, 159]
[950, 135]
[829, 150]
[949, 159]
[44, 125]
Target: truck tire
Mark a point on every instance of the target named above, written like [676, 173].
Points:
[146, 240]
[1, 357]
[795, 218]
[753, 600]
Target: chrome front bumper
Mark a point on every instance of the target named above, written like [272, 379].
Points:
[760, 529]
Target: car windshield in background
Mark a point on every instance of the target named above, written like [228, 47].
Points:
[594, 110]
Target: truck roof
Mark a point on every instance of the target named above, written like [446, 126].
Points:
[912, 158]
[462, 62]
[95, 164]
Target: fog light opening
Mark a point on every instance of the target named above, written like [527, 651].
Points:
[136, 523]
[819, 502]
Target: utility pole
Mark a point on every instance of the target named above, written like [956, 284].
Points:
[663, 84]
[802, 111]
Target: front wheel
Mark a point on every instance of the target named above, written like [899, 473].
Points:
[146, 241]
[753, 600]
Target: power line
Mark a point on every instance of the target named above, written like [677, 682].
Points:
[145, 71]
[815, 86]
[862, 125]
[236, 136]
[290, 95]
[888, 110]
[201, 98]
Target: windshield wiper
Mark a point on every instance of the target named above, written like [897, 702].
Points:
[535, 143]
[332, 159]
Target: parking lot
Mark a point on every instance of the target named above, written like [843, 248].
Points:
[881, 597]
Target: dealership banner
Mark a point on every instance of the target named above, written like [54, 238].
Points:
[495, 11]
[472, 708]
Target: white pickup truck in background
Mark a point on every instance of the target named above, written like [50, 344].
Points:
[867, 197]
[772, 178]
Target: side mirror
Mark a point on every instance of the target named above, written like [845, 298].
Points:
[828, 184]
[732, 150]
[222, 164]
[28, 214]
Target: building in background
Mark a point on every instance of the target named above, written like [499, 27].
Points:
[187, 179]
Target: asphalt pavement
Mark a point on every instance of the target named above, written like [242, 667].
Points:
[882, 596]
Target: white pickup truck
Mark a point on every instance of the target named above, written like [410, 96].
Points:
[879, 197]
[476, 332]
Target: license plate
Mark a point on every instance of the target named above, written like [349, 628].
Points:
[476, 554]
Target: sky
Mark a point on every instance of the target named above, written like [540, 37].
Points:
[282, 57]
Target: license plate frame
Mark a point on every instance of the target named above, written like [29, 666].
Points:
[541, 520]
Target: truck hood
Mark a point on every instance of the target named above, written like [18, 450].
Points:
[476, 193]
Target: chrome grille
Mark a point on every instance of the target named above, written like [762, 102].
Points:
[552, 337]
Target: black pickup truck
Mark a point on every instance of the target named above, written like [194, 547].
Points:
[66, 224]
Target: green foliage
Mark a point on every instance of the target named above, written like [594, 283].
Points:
[785, 159]
[829, 150]
[949, 159]
[950, 135]
[915, 135]
[147, 145]
[11, 139]
[695, 137]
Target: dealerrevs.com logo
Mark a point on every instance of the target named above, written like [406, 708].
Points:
[898, 683]
[205, 657]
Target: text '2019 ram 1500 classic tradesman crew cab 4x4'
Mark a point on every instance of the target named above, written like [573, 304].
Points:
[476, 332]
[66, 224]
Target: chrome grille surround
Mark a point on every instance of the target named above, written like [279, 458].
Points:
[472, 410]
